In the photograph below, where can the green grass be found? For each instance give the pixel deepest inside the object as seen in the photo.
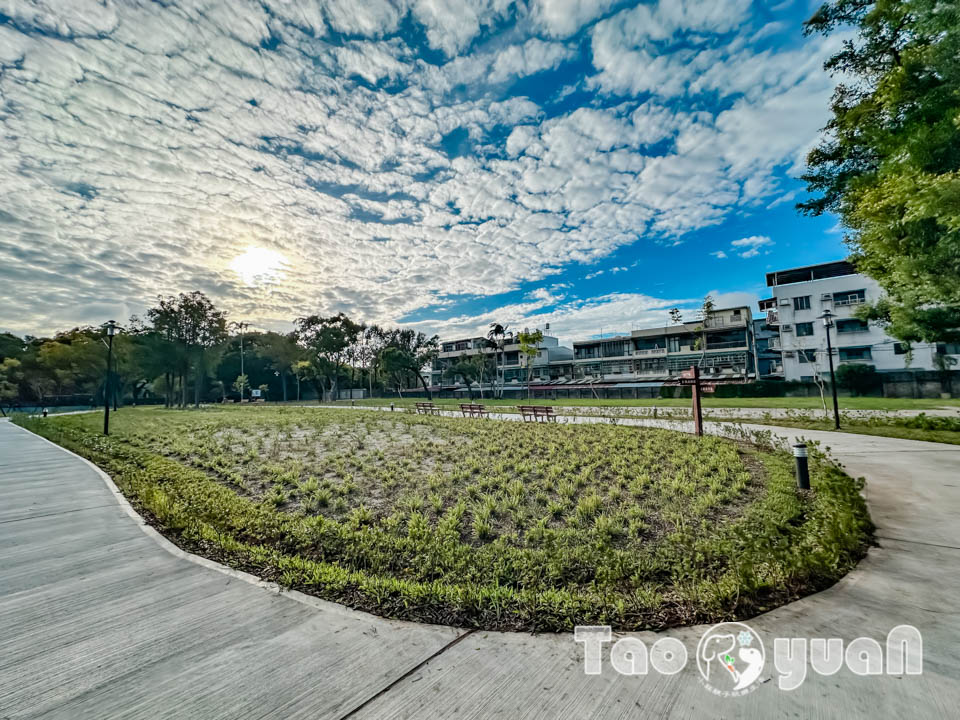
(920, 427)
(483, 523)
(799, 403)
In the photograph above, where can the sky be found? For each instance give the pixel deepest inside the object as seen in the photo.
(441, 164)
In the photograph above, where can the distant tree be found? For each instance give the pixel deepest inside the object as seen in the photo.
(327, 342)
(282, 352)
(194, 327)
(889, 160)
(496, 337)
(409, 351)
(10, 376)
(676, 318)
(858, 379)
(529, 344)
(703, 316)
(11, 346)
(240, 383)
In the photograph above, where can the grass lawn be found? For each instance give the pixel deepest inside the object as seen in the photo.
(483, 523)
(799, 403)
(920, 427)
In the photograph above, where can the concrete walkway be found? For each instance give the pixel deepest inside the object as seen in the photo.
(100, 618)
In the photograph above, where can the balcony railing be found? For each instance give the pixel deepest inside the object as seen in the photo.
(840, 302)
(651, 352)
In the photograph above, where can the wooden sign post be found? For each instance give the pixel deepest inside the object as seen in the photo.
(691, 377)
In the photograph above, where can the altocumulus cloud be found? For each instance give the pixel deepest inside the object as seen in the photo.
(397, 156)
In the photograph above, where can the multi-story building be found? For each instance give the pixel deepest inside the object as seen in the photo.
(800, 297)
(513, 364)
(721, 345)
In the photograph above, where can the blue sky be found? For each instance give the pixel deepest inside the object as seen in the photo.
(440, 163)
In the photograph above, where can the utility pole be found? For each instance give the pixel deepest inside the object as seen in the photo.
(111, 329)
(827, 318)
(241, 326)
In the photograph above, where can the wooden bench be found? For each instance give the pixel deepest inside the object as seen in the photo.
(427, 408)
(473, 410)
(538, 413)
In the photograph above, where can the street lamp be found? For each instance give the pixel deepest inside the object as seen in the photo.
(241, 326)
(111, 329)
(827, 318)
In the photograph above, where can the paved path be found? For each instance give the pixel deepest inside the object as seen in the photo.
(101, 619)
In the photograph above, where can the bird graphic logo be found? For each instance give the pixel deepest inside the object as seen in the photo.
(730, 657)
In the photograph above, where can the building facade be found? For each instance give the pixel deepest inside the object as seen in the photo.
(801, 295)
(509, 362)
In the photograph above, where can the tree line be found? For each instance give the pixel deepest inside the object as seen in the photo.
(184, 351)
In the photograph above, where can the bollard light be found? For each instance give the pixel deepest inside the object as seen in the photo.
(803, 468)
(391, 407)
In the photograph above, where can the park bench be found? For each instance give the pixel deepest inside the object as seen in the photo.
(427, 408)
(537, 413)
(473, 410)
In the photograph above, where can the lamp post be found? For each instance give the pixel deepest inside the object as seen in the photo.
(241, 326)
(111, 328)
(827, 318)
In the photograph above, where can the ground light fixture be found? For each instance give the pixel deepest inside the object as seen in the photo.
(827, 318)
(111, 329)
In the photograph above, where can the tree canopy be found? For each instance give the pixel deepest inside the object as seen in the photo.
(889, 160)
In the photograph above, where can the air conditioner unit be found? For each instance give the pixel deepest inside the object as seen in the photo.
(786, 328)
(785, 302)
(826, 296)
(789, 354)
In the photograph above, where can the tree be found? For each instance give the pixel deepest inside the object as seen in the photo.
(11, 346)
(676, 318)
(471, 368)
(889, 160)
(529, 345)
(193, 327)
(495, 338)
(408, 351)
(858, 379)
(282, 352)
(240, 383)
(703, 313)
(10, 376)
(327, 341)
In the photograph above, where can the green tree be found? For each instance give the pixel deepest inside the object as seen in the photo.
(529, 344)
(10, 376)
(408, 352)
(889, 160)
(282, 352)
(328, 342)
(858, 379)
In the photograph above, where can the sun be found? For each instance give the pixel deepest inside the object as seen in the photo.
(259, 265)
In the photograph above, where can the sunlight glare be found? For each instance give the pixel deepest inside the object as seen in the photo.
(259, 265)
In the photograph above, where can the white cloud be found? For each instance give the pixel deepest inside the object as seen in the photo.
(719, 254)
(750, 246)
(144, 146)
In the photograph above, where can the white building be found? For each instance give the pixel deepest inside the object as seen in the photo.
(800, 295)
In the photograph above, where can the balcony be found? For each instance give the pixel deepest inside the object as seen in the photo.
(651, 352)
(773, 317)
(774, 344)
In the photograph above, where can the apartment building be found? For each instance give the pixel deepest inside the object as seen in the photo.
(512, 363)
(721, 345)
(801, 295)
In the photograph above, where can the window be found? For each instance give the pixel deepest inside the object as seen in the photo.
(851, 325)
(806, 378)
(855, 353)
(899, 349)
(850, 297)
(948, 348)
(801, 303)
(804, 329)
(807, 356)
(673, 344)
(736, 316)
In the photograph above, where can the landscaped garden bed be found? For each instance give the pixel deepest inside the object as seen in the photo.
(483, 523)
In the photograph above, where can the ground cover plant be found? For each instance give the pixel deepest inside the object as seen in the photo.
(483, 523)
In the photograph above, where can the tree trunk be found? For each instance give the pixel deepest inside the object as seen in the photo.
(425, 387)
(283, 379)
